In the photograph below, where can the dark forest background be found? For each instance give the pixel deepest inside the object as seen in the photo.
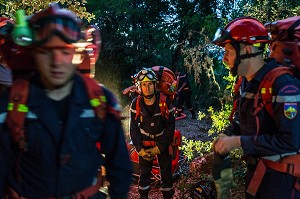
(172, 33)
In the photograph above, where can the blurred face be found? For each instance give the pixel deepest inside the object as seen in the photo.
(54, 63)
(147, 88)
(229, 56)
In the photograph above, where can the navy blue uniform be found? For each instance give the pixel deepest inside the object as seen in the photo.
(61, 157)
(161, 131)
(280, 135)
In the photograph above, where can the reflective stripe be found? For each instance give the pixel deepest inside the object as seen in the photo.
(249, 95)
(2, 117)
(162, 104)
(21, 107)
(277, 157)
(166, 189)
(95, 102)
(103, 98)
(151, 135)
(291, 98)
(87, 113)
(144, 188)
(10, 106)
(157, 114)
(263, 90)
(31, 115)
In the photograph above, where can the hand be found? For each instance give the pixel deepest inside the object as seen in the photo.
(224, 144)
(153, 151)
(145, 155)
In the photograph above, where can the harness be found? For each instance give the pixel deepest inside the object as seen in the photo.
(163, 107)
(235, 91)
(285, 163)
(16, 115)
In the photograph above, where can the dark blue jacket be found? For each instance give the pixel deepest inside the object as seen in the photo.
(61, 160)
(152, 124)
(279, 134)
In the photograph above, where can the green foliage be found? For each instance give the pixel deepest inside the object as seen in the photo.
(219, 119)
(267, 10)
(192, 148)
(201, 115)
(9, 7)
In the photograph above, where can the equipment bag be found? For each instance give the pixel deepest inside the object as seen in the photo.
(167, 82)
(285, 45)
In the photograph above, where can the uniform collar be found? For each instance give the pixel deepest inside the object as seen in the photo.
(271, 63)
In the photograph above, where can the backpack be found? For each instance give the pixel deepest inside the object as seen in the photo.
(167, 81)
(285, 44)
(166, 85)
(17, 108)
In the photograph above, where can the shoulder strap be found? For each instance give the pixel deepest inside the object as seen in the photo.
(96, 94)
(138, 106)
(265, 88)
(164, 110)
(235, 91)
(17, 110)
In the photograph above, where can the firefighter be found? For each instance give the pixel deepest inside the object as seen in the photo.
(57, 155)
(265, 139)
(5, 78)
(184, 94)
(152, 134)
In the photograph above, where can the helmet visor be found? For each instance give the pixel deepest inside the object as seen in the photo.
(221, 36)
(146, 73)
(65, 28)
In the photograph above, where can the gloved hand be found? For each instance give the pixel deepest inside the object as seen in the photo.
(222, 174)
(153, 151)
(145, 155)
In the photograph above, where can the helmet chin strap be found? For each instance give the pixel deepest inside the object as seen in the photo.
(148, 96)
(241, 57)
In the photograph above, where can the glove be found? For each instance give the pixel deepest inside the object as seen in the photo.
(222, 174)
(145, 155)
(153, 151)
(224, 184)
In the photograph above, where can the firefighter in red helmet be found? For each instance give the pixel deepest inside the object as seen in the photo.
(152, 134)
(53, 151)
(267, 138)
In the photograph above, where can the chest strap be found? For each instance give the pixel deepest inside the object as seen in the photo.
(151, 135)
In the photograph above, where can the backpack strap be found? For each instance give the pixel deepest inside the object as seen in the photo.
(96, 95)
(138, 106)
(163, 107)
(235, 91)
(265, 91)
(164, 110)
(17, 110)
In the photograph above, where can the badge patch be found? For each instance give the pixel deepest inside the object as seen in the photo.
(290, 110)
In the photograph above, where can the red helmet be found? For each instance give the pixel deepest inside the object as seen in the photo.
(55, 20)
(242, 30)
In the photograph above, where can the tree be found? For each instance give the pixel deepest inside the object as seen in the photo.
(9, 7)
